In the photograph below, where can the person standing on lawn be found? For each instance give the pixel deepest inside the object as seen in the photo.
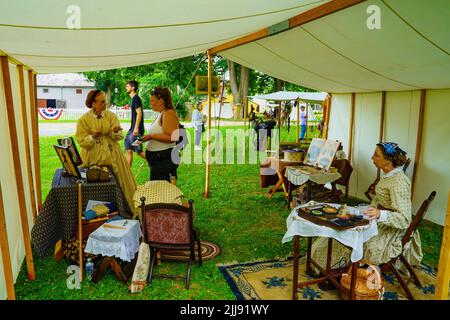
(137, 124)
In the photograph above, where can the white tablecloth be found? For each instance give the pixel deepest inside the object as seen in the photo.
(120, 243)
(298, 177)
(353, 238)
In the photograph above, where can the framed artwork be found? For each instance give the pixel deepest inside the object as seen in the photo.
(201, 85)
(327, 154)
(314, 151)
(70, 143)
(67, 161)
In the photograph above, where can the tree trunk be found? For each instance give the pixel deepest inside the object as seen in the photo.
(108, 94)
(278, 84)
(238, 89)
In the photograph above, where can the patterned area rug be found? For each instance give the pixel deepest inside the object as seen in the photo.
(209, 251)
(272, 280)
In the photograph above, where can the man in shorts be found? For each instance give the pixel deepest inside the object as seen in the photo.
(132, 140)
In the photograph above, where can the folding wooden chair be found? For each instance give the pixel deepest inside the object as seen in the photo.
(170, 227)
(390, 266)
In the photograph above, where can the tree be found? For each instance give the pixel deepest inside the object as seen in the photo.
(239, 87)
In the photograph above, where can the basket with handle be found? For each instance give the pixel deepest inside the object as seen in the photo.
(369, 284)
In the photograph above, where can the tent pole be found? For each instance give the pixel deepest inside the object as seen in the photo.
(35, 135)
(17, 168)
(27, 140)
(297, 139)
(350, 144)
(306, 131)
(383, 107)
(279, 126)
(245, 126)
(419, 140)
(6, 257)
(327, 121)
(208, 132)
(324, 114)
(443, 273)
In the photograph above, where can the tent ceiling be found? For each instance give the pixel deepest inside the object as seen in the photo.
(118, 34)
(338, 53)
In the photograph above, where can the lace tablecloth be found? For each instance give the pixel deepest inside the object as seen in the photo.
(353, 238)
(299, 175)
(121, 243)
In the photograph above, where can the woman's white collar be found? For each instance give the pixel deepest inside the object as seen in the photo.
(393, 172)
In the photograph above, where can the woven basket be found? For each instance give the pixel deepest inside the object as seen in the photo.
(362, 292)
(294, 156)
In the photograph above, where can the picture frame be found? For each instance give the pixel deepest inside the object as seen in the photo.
(70, 143)
(67, 161)
(314, 150)
(327, 154)
(201, 85)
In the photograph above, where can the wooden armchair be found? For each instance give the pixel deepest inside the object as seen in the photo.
(390, 266)
(170, 227)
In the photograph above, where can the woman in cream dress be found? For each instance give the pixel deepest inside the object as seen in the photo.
(98, 133)
(391, 206)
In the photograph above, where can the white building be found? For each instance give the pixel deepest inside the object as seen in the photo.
(63, 90)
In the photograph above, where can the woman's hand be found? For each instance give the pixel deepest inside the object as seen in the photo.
(372, 213)
(116, 129)
(96, 134)
(146, 138)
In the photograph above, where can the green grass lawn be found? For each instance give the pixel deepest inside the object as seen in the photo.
(238, 216)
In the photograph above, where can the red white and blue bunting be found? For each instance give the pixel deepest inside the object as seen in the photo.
(50, 113)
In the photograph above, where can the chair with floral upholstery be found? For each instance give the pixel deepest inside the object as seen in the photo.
(170, 227)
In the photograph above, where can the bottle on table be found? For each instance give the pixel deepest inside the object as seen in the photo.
(89, 269)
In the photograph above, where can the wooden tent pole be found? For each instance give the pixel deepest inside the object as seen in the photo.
(443, 273)
(6, 257)
(279, 126)
(419, 140)
(306, 131)
(35, 135)
(80, 228)
(245, 127)
(17, 169)
(298, 121)
(208, 132)
(350, 144)
(27, 140)
(383, 107)
(327, 122)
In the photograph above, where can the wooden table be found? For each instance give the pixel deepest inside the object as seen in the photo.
(117, 242)
(327, 177)
(327, 274)
(123, 270)
(279, 165)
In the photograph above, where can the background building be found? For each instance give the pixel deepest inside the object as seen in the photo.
(63, 90)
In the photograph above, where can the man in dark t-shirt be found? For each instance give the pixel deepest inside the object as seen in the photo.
(132, 143)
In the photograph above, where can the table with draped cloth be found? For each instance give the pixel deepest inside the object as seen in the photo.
(58, 217)
(305, 175)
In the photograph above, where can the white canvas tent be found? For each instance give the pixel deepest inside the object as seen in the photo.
(305, 97)
(393, 80)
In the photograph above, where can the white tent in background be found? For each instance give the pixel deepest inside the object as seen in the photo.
(310, 97)
(391, 82)
(306, 98)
